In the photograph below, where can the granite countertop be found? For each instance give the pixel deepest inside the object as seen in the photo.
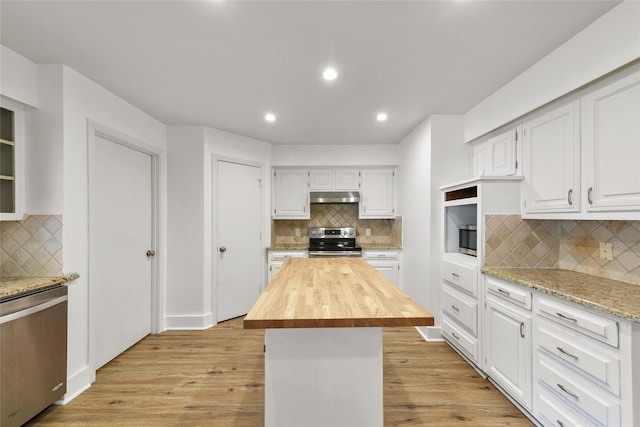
(621, 299)
(305, 246)
(12, 286)
(380, 246)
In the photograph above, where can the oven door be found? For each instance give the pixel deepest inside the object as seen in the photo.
(334, 254)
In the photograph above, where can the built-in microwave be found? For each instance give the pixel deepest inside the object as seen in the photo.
(468, 239)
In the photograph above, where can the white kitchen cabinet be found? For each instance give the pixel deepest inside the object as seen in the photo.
(338, 179)
(611, 144)
(507, 339)
(278, 257)
(387, 262)
(551, 144)
(499, 155)
(290, 194)
(11, 161)
(377, 193)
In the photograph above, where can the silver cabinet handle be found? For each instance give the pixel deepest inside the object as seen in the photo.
(589, 195)
(560, 423)
(561, 387)
(566, 353)
(455, 336)
(151, 253)
(502, 291)
(222, 249)
(455, 308)
(457, 276)
(522, 329)
(567, 317)
(570, 197)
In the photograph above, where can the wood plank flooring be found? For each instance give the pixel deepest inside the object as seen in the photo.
(216, 378)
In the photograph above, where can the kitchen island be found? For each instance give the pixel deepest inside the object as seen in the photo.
(323, 341)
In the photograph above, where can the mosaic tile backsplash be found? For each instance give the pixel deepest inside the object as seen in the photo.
(383, 231)
(511, 241)
(31, 247)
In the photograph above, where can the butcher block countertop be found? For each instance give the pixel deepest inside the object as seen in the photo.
(333, 292)
(13, 286)
(611, 296)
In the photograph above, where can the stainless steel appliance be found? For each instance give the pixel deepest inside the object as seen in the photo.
(334, 197)
(468, 239)
(33, 354)
(333, 242)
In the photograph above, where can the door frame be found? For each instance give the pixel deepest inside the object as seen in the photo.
(215, 158)
(158, 237)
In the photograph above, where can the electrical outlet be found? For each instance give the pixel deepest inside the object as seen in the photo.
(297, 231)
(367, 232)
(606, 251)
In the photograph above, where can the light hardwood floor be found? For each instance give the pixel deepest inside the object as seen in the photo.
(216, 378)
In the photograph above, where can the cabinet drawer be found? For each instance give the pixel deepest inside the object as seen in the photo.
(283, 255)
(551, 411)
(459, 338)
(515, 294)
(381, 255)
(461, 307)
(577, 392)
(591, 324)
(582, 353)
(463, 276)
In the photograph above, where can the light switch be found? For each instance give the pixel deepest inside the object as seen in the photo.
(297, 231)
(367, 232)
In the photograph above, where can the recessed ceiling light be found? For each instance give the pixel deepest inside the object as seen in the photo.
(329, 73)
(270, 117)
(381, 117)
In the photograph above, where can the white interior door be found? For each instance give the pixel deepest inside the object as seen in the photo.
(121, 219)
(239, 244)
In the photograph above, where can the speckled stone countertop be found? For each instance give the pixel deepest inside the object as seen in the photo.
(379, 246)
(12, 286)
(611, 296)
(305, 246)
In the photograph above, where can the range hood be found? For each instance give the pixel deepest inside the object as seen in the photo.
(334, 196)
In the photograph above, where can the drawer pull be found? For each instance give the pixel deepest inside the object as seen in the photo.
(560, 423)
(522, 329)
(455, 308)
(565, 317)
(456, 275)
(566, 353)
(453, 334)
(561, 387)
(502, 291)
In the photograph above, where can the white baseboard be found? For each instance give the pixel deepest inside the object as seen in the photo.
(189, 322)
(76, 384)
(430, 333)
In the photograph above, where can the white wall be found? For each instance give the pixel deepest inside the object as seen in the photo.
(18, 77)
(338, 155)
(432, 155)
(84, 100)
(192, 269)
(609, 43)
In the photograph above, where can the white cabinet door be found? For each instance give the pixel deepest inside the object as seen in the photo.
(497, 156)
(390, 271)
(321, 179)
(507, 347)
(290, 194)
(11, 161)
(611, 143)
(347, 179)
(552, 165)
(377, 198)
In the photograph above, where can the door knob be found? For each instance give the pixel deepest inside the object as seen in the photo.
(151, 253)
(222, 249)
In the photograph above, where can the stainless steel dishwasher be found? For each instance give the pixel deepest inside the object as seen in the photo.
(33, 354)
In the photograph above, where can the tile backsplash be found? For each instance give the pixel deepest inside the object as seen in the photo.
(511, 241)
(31, 247)
(383, 231)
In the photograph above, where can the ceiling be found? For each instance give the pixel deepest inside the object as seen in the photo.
(225, 64)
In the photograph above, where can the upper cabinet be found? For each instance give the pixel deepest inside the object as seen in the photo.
(552, 161)
(290, 194)
(581, 159)
(611, 144)
(377, 193)
(499, 155)
(11, 165)
(324, 179)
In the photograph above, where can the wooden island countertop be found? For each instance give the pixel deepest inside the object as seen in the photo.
(333, 293)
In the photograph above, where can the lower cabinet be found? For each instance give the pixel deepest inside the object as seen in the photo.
(278, 257)
(387, 262)
(507, 339)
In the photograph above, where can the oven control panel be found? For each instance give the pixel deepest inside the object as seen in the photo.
(332, 232)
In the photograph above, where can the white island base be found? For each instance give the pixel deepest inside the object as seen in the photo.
(319, 377)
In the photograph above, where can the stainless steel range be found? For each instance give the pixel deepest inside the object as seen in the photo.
(333, 242)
